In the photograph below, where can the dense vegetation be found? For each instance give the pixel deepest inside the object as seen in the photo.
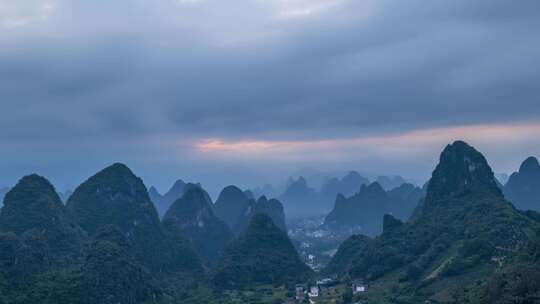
(33, 210)
(107, 245)
(465, 231)
(263, 254)
(192, 216)
(465, 243)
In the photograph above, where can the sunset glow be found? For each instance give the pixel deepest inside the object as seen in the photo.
(411, 142)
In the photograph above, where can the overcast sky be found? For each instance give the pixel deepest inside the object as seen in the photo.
(250, 91)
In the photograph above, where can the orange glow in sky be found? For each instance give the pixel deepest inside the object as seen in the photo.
(407, 143)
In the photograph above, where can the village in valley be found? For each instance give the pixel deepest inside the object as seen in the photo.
(315, 244)
(329, 290)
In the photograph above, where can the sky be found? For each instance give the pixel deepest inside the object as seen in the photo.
(248, 92)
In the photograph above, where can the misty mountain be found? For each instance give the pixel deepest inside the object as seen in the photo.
(465, 226)
(347, 185)
(236, 208)
(192, 215)
(523, 187)
(263, 254)
(64, 196)
(266, 190)
(249, 194)
(231, 205)
(3, 192)
(502, 178)
(273, 208)
(364, 210)
(405, 199)
(300, 200)
(163, 202)
(390, 182)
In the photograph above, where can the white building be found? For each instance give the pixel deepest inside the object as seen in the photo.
(313, 291)
(358, 287)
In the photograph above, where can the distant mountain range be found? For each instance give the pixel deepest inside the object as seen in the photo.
(523, 187)
(302, 200)
(390, 182)
(163, 202)
(365, 209)
(3, 192)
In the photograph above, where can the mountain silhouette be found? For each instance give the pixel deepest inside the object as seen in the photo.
(523, 187)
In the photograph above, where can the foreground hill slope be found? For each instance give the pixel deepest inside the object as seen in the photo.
(108, 274)
(464, 232)
(263, 254)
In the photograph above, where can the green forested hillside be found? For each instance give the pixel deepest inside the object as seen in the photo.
(465, 233)
(263, 254)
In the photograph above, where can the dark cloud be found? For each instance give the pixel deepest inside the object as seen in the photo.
(90, 75)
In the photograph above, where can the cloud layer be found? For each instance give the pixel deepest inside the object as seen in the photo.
(148, 81)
